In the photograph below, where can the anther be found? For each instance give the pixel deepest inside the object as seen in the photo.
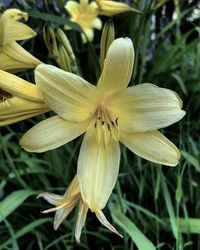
(102, 123)
(116, 121)
(113, 123)
(108, 127)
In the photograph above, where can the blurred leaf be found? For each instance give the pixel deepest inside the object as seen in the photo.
(12, 201)
(130, 228)
(54, 19)
(191, 159)
(180, 82)
(189, 225)
(27, 229)
(173, 23)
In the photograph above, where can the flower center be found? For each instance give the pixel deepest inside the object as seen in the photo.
(106, 127)
(84, 17)
(4, 95)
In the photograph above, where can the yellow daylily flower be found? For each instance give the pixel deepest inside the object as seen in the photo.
(19, 99)
(108, 113)
(66, 203)
(13, 57)
(85, 14)
(110, 7)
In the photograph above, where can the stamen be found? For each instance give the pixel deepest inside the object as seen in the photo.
(106, 128)
(106, 133)
(116, 121)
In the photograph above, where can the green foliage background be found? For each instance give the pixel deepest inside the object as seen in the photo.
(161, 203)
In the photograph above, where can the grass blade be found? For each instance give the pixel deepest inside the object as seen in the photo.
(12, 201)
(169, 206)
(140, 240)
(27, 229)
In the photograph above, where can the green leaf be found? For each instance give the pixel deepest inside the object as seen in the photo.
(169, 205)
(180, 81)
(189, 225)
(191, 159)
(12, 201)
(54, 19)
(140, 240)
(186, 225)
(25, 230)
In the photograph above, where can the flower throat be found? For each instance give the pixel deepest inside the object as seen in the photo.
(4, 95)
(106, 128)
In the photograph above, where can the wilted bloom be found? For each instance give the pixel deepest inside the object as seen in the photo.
(65, 204)
(110, 8)
(13, 57)
(19, 99)
(85, 14)
(108, 113)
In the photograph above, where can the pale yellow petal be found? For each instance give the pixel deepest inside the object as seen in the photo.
(51, 133)
(53, 199)
(101, 217)
(110, 8)
(93, 8)
(98, 167)
(15, 31)
(16, 59)
(4, 121)
(118, 65)
(62, 213)
(12, 28)
(97, 24)
(72, 7)
(66, 203)
(89, 33)
(73, 188)
(17, 109)
(84, 2)
(152, 146)
(68, 95)
(19, 87)
(82, 214)
(145, 107)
